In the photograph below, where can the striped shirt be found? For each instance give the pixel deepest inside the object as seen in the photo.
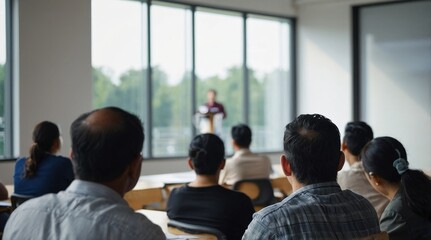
(316, 211)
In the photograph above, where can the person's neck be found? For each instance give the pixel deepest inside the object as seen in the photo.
(205, 180)
(391, 190)
(296, 185)
(351, 159)
(237, 148)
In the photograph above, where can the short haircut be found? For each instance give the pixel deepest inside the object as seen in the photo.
(241, 134)
(212, 90)
(207, 153)
(312, 147)
(103, 150)
(356, 135)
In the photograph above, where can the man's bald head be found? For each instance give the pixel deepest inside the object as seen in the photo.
(104, 142)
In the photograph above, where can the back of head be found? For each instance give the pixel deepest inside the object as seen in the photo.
(241, 134)
(207, 153)
(378, 156)
(386, 157)
(312, 147)
(44, 136)
(356, 135)
(104, 142)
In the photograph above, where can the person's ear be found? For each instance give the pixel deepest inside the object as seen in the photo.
(133, 173)
(190, 162)
(222, 164)
(341, 161)
(285, 165)
(343, 146)
(375, 180)
(71, 154)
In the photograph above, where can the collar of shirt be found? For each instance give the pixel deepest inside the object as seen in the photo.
(93, 189)
(357, 167)
(240, 152)
(317, 189)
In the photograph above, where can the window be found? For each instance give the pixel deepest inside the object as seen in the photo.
(268, 55)
(5, 97)
(158, 60)
(119, 55)
(219, 50)
(171, 80)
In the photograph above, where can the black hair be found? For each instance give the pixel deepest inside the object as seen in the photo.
(378, 158)
(207, 153)
(312, 147)
(241, 134)
(103, 150)
(356, 135)
(44, 135)
(213, 91)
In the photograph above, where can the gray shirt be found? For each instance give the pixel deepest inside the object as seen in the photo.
(86, 210)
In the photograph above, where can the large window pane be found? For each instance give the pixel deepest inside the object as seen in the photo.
(269, 81)
(219, 54)
(119, 54)
(2, 75)
(171, 79)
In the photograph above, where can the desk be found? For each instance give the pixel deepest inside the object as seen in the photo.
(160, 218)
(186, 177)
(170, 178)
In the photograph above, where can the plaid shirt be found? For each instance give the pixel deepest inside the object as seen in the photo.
(316, 211)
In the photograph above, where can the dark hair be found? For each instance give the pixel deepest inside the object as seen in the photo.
(312, 147)
(241, 134)
(44, 136)
(378, 158)
(103, 149)
(356, 135)
(207, 153)
(213, 91)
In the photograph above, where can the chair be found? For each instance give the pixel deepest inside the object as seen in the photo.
(18, 199)
(258, 190)
(377, 236)
(202, 232)
(151, 198)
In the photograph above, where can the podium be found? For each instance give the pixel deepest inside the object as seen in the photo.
(208, 122)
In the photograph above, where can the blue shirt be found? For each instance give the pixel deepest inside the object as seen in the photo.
(316, 211)
(54, 174)
(86, 210)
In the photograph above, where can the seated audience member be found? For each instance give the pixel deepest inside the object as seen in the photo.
(43, 172)
(408, 214)
(317, 208)
(3, 215)
(356, 135)
(244, 164)
(3, 192)
(106, 155)
(204, 202)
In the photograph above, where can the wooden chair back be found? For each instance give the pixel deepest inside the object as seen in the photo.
(258, 190)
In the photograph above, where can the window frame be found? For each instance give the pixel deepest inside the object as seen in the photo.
(148, 121)
(8, 130)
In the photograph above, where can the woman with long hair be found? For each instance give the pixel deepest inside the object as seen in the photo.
(408, 214)
(43, 171)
